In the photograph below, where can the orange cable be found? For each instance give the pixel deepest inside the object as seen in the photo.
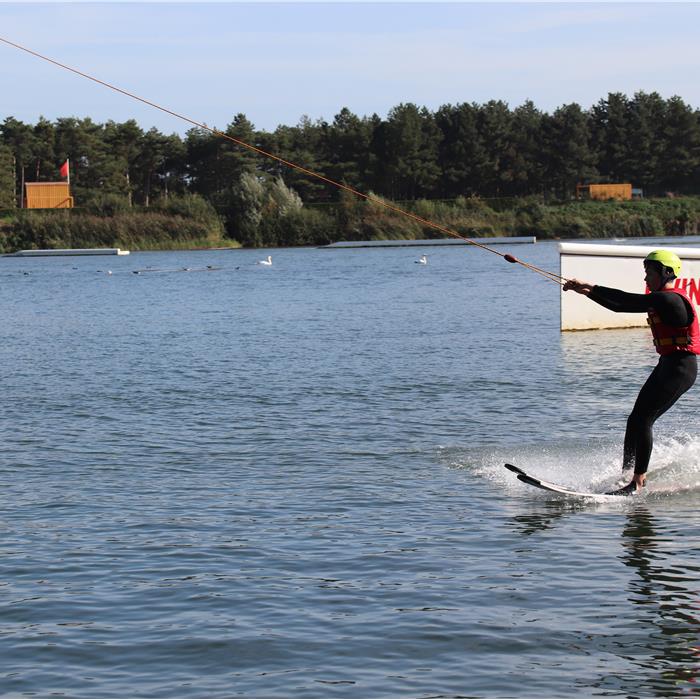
(509, 258)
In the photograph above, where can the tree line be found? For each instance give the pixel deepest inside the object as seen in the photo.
(467, 149)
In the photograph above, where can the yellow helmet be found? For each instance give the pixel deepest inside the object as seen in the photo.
(667, 259)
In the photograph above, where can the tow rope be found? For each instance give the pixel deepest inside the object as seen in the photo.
(426, 222)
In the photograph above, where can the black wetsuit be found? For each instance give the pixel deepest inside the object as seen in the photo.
(670, 379)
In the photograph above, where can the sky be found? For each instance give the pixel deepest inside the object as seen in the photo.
(276, 62)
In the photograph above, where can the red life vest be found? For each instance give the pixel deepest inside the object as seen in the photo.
(669, 339)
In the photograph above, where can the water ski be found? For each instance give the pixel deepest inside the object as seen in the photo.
(548, 486)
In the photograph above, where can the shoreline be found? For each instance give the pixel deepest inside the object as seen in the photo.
(355, 224)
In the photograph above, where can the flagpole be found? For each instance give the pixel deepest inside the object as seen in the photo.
(68, 161)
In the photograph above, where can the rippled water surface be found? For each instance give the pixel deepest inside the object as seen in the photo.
(287, 481)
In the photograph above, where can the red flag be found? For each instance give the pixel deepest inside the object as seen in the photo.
(64, 170)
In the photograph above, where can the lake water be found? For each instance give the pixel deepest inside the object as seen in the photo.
(287, 481)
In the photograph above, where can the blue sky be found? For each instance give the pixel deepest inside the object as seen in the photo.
(278, 61)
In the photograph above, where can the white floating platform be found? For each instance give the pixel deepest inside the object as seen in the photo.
(620, 267)
(430, 242)
(67, 251)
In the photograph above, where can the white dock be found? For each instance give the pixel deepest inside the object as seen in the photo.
(620, 267)
(66, 251)
(501, 240)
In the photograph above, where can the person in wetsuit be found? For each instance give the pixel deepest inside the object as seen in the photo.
(676, 334)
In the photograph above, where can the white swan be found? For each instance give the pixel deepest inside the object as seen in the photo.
(423, 260)
(266, 262)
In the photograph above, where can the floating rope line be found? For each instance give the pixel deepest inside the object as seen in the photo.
(426, 222)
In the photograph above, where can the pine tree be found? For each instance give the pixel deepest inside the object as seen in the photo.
(235, 159)
(494, 123)
(412, 142)
(569, 158)
(7, 178)
(349, 150)
(45, 165)
(609, 134)
(680, 156)
(645, 126)
(124, 142)
(82, 140)
(461, 154)
(19, 138)
(305, 144)
(159, 166)
(203, 153)
(522, 160)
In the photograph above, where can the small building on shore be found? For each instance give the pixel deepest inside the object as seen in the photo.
(604, 191)
(47, 195)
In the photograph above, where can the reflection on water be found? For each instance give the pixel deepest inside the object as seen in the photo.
(613, 349)
(651, 645)
(538, 521)
(665, 593)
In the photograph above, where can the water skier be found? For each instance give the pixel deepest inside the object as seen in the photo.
(676, 335)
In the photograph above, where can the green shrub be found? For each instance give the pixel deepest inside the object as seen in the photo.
(189, 206)
(108, 205)
(305, 227)
(133, 230)
(472, 204)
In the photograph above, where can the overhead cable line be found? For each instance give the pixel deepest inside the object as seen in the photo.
(426, 222)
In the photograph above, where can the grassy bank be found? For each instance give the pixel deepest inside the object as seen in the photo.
(187, 223)
(192, 223)
(585, 219)
(131, 231)
(653, 217)
(477, 218)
